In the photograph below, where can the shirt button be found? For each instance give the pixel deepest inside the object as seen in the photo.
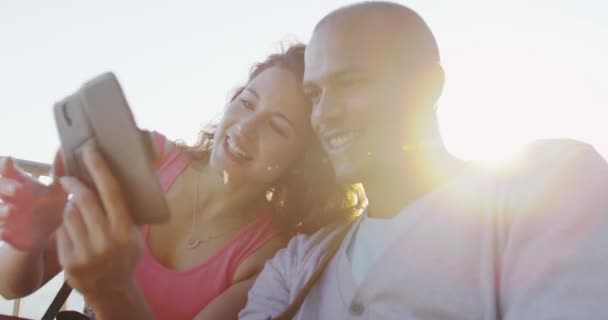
(356, 308)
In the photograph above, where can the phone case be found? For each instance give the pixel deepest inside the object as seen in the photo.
(99, 112)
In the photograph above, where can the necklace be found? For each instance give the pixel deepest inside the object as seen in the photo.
(193, 240)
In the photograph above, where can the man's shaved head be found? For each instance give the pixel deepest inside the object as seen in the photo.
(400, 23)
(373, 76)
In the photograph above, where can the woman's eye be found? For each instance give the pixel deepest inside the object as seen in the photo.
(246, 104)
(277, 128)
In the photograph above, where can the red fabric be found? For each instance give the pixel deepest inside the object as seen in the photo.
(169, 164)
(183, 294)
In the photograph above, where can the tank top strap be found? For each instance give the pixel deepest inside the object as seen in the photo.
(159, 144)
(169, 163)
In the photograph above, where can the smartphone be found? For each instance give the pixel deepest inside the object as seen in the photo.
(99, 112)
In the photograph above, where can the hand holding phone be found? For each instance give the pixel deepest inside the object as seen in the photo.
(99, 113)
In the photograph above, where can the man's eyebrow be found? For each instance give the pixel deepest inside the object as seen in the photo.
(253, 92)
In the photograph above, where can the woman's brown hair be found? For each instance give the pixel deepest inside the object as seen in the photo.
(308, 196)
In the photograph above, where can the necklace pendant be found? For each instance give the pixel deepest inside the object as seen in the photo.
(193, 243)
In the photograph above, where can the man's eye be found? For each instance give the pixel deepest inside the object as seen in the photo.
(246, 104)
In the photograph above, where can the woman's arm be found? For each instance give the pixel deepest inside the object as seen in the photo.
(30, 212)
(232, 301)
(23, 272)
(228, 304)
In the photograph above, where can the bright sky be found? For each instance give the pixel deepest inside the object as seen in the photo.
(516, 70)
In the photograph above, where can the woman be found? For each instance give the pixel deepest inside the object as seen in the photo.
(235, 197)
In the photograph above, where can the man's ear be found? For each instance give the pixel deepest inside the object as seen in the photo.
(434, 80)
(425, 86)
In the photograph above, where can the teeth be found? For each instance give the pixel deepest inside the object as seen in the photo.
(234, 148)
(226, 177)
(341, 140)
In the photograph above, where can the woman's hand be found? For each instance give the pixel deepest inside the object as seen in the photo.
(98, 243)
(29, 211)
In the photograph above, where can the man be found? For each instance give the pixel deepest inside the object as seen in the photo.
(439, 239)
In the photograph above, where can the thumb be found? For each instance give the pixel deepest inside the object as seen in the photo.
(58, 169)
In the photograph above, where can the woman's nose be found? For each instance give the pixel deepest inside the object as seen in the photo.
(247, 129)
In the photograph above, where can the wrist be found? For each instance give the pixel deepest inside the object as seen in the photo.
(109, 294)
(38, 244)
(124, 302)
(34, 250)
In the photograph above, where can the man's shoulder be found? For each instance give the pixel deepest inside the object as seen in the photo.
(544, 169)
(306, 247)
(552, 159)
(557, 149)
(557, 227)
(540, 159)
(553, 174)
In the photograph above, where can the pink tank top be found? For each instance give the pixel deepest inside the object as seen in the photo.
(183, 294)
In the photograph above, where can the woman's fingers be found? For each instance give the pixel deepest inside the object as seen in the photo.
(8, 187)
(90, 214)
(58, 169)
(5, 211)
(109, 191)
(74, 225)
(101, 218)
(9, 170)
(12, 179)
(6, 165)
(65, 247)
